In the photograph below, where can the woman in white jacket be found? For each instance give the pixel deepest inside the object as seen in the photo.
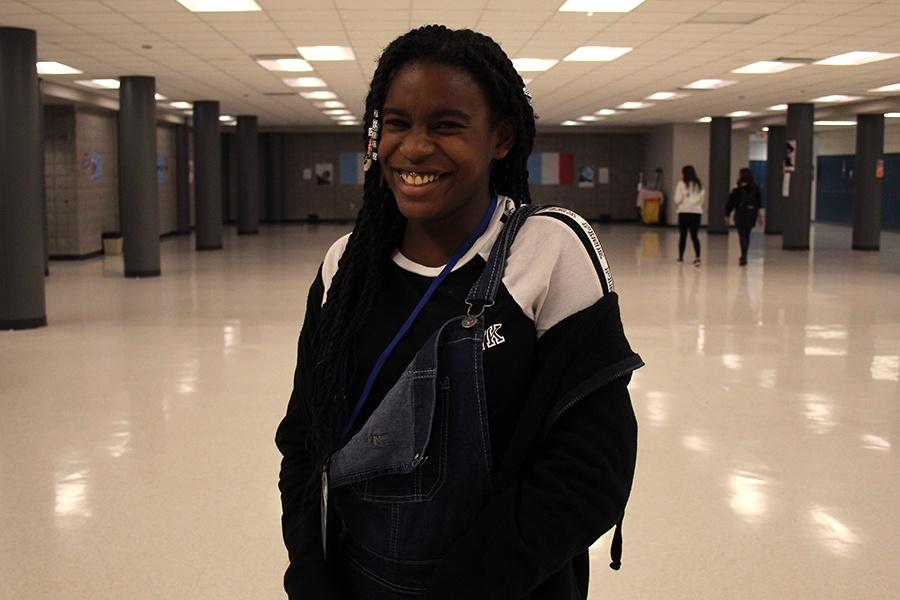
(689, 202)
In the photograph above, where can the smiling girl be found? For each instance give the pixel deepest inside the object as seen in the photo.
(460, 424)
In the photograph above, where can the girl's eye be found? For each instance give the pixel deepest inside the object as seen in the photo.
(448, 125)
(395, 123)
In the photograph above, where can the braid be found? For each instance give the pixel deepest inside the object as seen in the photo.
(379, 224)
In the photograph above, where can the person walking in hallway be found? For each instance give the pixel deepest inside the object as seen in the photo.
(746, 201)
(689, 202)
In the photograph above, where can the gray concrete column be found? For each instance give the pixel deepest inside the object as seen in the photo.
(138, 197)
(867, 201)
(719, 186)
(208, 175)
(248, 174)
(22, 246)
(275, 178)
(796, 212)
(774, 179)
(182, 180)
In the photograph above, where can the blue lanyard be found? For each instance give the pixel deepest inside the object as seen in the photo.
(370, 382)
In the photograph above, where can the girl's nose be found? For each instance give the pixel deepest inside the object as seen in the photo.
(417, 144)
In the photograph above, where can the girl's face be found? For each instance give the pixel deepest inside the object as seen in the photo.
(438, 141)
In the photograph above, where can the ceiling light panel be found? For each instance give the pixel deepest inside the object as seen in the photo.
(704, 120)
(778, 107)
(665, 96)
(836, 98)
(892, 115)
(634, 105)
(739, 113)
(767, 67)
(287, 65)
(571, 123)
(709, 84)
(590, 118)
(49, 67)
(858, 57)
(894, 87)
(834, 123)
(220, 5)
(182, 105)
(597, 54)
(304, 82)
(596, 6)
(326, 53)
(526, 65)
(330, 104)
(605, 112)
(159, 97)
(99, 84)
(319, 95)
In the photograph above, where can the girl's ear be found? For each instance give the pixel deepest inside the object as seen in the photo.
(504, 138)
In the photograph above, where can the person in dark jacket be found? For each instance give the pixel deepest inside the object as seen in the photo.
(746, 202)
(460, 424)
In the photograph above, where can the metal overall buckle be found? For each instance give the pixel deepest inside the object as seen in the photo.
(470, 320)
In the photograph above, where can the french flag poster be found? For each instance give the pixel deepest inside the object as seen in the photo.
(351, 168)
(551, 168)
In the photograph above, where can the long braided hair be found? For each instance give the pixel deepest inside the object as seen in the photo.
(379, 225)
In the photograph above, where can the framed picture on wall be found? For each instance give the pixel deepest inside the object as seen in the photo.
(324, 173)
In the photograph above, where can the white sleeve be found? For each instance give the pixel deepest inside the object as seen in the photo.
(330, 264)
(679, 193)
(556, 267)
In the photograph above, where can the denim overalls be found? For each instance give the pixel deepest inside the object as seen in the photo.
(416, 475)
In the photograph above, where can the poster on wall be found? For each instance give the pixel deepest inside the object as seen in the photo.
(585, 176)
(790, 156)
(162, 165)
(551, 168)
(324, 173)
(786, 185)
(92, 165)
(307, 174)
(603, 175)
(351, 168)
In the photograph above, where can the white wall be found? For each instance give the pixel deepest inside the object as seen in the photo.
(842, 140)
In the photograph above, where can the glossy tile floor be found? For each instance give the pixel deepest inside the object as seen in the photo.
(136, 453)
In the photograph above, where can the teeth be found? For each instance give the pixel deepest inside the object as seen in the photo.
(416, 179)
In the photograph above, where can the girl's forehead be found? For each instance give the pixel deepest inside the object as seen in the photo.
(418, 83)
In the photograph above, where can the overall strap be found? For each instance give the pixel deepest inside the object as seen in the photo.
(484, 291)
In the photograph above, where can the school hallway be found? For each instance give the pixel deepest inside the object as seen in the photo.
(136, 430)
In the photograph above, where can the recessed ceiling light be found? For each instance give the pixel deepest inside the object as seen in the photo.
(894, 87)
(304, 82)
(288, 65)
(571, 123)
(778, 107)
(220, 5)
(330, 104)
(768, 66)
(634, 105)
(344, 118)
(319, 95)
(766, 129)
(524, 65)
(160, 97)
(226, 118)
(49, 67)
(836, 98)
(834, 123)
(348, 122)
(336, 111)
(590, 118)
(314, 53)
(892, 115)
(181, 104)
(739, 113)
(605, 112)
(859, 57)
(596, 54)
(665, 96)
(99, 84)
(709, 84)
(592, 6)
(704, 120)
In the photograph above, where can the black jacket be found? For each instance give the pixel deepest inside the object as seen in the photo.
(745, 201)
(563, 482)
